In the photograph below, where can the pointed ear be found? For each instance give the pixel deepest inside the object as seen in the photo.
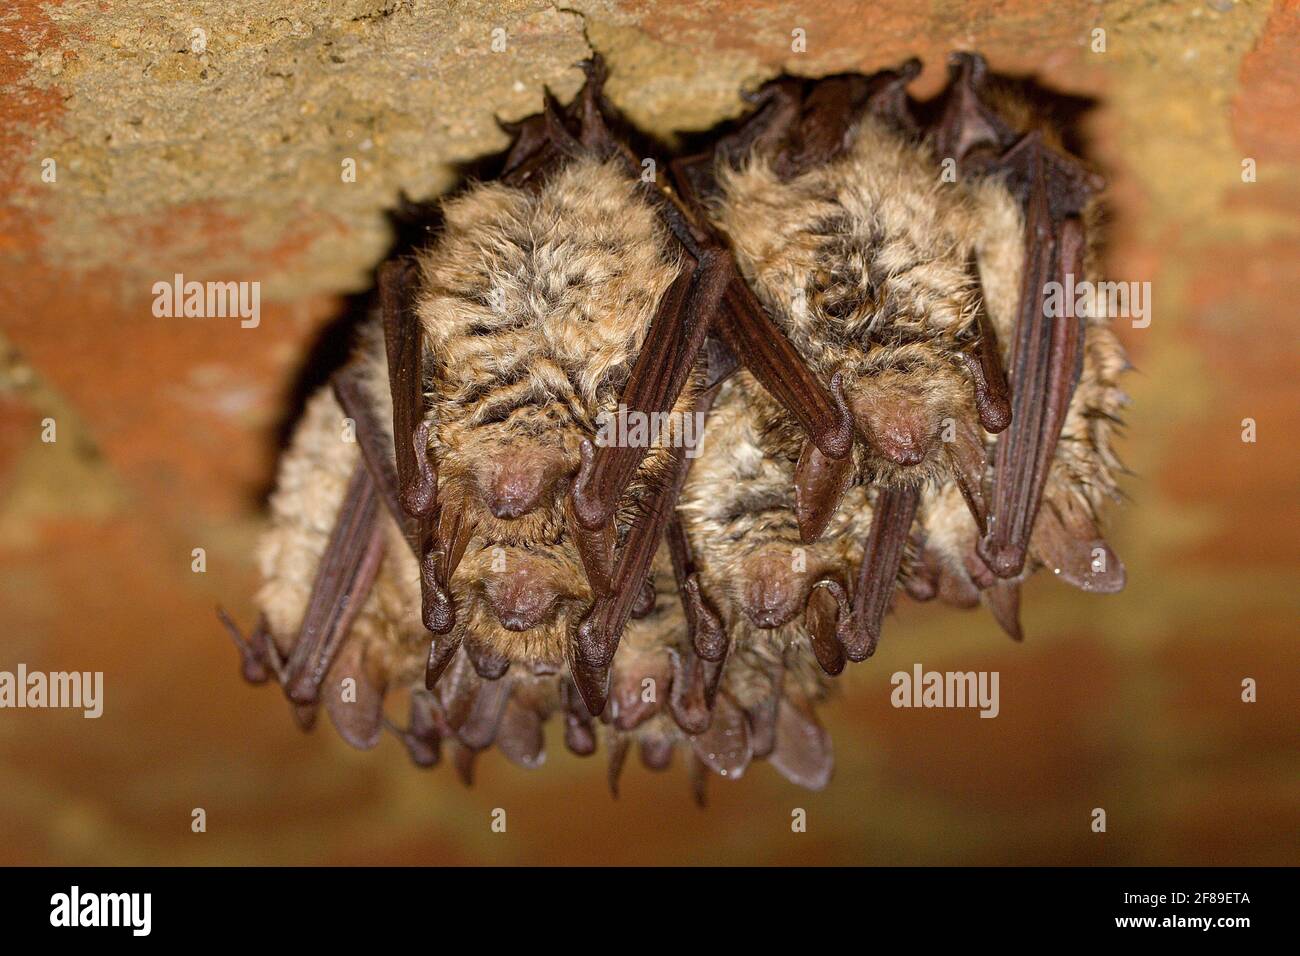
(520, 737)
(1069, 544)
(360, 721)
(725, 747)
(802, 752)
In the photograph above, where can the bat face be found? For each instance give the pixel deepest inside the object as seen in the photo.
(534, 304)
(738, 508)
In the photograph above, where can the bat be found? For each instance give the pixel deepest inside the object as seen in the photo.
(963, 401)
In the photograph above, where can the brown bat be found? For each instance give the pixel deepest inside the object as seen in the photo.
(908, 293)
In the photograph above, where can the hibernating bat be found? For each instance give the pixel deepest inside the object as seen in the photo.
(911, 295)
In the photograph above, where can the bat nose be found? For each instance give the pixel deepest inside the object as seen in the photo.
(897, 427)
(521, 596)
(514, 494)
(520, 480)
(772, 591)
(900, 445)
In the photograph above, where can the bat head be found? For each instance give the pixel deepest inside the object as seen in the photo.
(865, 262)
(738, 509)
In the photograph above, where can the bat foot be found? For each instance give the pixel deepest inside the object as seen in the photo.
(258, 656)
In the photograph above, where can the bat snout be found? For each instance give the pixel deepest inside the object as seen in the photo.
(522, 597)
(897, 423)
(897, 426)
(773, 592)
(519, 481)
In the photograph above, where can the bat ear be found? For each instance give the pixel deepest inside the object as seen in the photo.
(826, 610)
(594, 133)
(725, 747)
(520, 735)
(422, 736)
(819, 485)
(354, 703)
(802, 750)
(694, 682)
(632, 701)
(1068, 543)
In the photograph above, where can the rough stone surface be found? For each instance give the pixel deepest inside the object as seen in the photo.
(220, 154)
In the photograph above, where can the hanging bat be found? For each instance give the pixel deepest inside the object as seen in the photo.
(447, 523)
(832, 198)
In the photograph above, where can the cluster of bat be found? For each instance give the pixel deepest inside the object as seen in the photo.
(841, 286)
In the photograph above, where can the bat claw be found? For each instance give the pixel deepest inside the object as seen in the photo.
(592, 679)
(819, 486)
(420, 497)
(258, 656)
(441, 653)
(708, 634)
